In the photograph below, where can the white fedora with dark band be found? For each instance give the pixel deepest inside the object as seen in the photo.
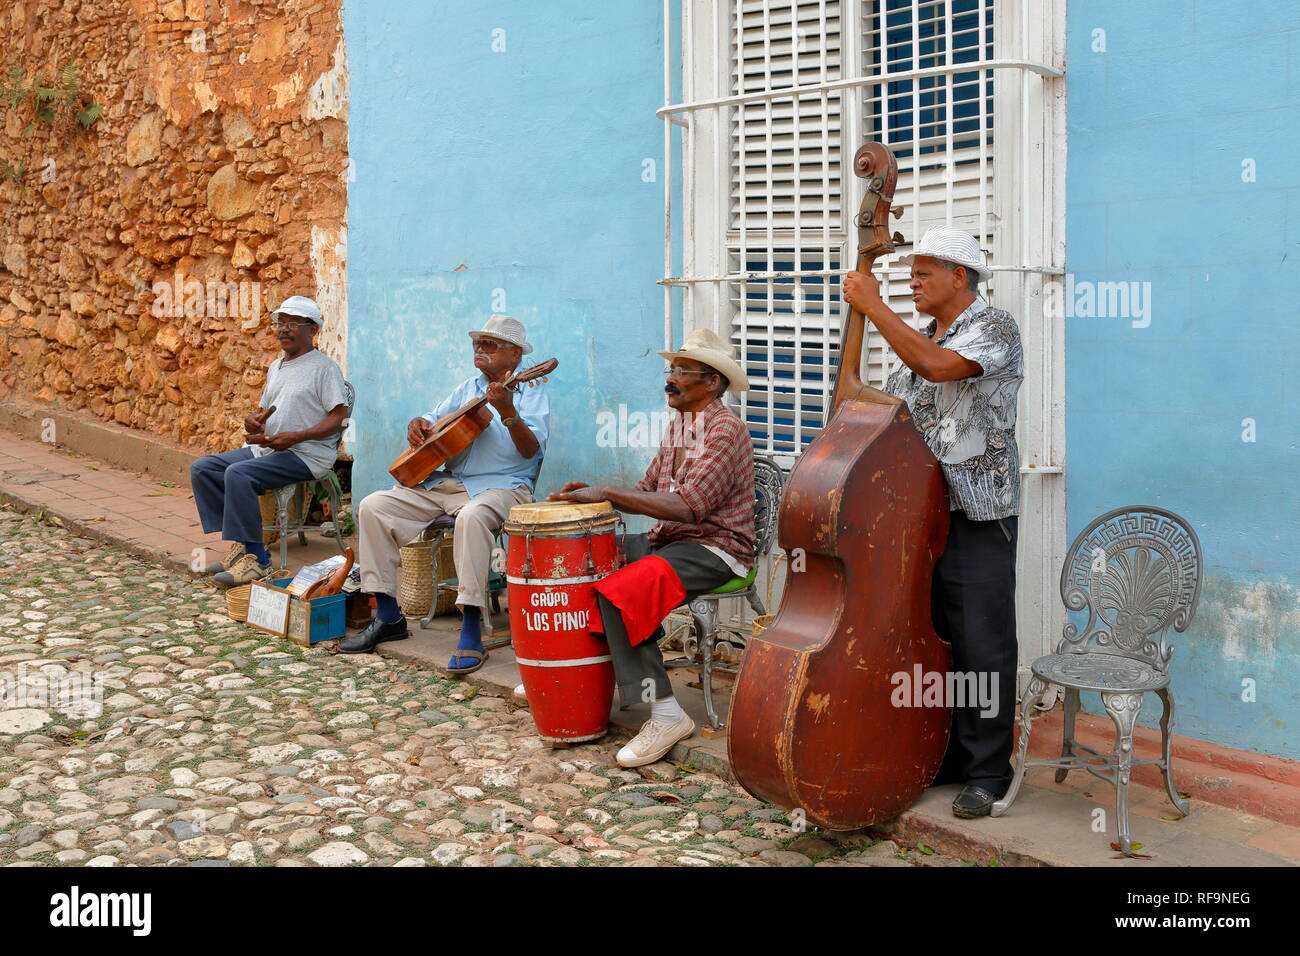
(706, 346)
(950, 245)
(506, 328)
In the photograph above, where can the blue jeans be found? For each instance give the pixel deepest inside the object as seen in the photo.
(226, 487)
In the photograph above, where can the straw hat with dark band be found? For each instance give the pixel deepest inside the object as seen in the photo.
(706, 346)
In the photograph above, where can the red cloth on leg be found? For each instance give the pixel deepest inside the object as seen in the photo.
(644, 592)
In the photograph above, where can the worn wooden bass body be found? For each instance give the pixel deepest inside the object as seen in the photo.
(822, 718)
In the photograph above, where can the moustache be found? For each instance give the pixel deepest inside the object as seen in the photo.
(672, 390)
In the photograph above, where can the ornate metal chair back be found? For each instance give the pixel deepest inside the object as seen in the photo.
(768, 484)
(1135, 572)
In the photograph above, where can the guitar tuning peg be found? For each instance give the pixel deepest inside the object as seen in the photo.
(546, 378)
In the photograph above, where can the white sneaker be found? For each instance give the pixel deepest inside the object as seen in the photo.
(233, 554)
(245, 570)
(655, 739)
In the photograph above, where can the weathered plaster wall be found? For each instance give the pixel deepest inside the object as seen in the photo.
(498, 164)
(221, 157)
(1182, 174)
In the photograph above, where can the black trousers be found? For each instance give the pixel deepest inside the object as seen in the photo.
(640, 670)
(973, 603)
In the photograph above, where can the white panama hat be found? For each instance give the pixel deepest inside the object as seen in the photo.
(950, 245)
(506, 328)
(705, 345)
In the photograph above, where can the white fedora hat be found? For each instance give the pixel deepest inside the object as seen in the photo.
(951, 245)
(706, 346)
(506, 328)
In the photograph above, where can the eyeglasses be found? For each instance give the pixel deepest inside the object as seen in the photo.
(483, 344)
(673, 370)
(278, 323)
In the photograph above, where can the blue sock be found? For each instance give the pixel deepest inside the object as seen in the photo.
(470, 627)
(386, 609)
(257, 550)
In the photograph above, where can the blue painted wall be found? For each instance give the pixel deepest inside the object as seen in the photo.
(521, 169)
(1160, 124)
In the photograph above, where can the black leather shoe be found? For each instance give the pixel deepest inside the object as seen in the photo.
(374, 634)
(972, 802)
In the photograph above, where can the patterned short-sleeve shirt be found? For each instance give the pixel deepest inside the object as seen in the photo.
(970, 424)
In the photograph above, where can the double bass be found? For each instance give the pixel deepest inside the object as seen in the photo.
(817, 721)
(456, 431)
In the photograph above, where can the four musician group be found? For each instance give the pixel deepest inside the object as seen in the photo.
(959, 377)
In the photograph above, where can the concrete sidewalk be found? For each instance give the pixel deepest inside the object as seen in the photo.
(1051, 824)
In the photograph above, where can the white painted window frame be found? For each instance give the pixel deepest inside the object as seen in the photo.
(1028, 249)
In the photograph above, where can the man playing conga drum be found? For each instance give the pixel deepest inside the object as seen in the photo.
(478, 486)
(700, 486)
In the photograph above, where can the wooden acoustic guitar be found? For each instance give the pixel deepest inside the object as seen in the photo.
(456, 431)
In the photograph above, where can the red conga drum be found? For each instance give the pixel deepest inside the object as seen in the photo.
(557, 552)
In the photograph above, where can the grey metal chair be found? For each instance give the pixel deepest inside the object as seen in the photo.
(768, 483)
(285, 495)
(1136, 571)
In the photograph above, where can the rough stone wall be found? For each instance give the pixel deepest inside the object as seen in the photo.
(218, 171)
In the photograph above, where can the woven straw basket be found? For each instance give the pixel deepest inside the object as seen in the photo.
(417, 578)
(237, 602)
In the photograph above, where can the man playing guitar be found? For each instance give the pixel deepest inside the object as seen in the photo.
(478, 486)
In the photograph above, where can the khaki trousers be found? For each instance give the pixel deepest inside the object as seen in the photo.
(388, 520)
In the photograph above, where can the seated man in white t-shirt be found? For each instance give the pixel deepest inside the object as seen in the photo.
(294, 437)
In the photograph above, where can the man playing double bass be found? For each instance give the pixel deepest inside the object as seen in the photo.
(478, 486)
(960, 377)
(700, 486)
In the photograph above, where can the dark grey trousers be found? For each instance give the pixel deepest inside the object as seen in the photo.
(639, 670)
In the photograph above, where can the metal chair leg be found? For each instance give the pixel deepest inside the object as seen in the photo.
(300, 494)
(1167, 750)
(1123, 710)
(1071, 705)
(704, 614)
(282, 528)
(1028, 711)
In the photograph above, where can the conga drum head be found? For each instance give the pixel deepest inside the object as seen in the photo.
(558, 517)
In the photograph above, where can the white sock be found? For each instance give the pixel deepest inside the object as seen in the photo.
(666, 711)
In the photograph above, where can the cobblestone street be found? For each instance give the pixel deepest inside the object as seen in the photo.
(220, 745)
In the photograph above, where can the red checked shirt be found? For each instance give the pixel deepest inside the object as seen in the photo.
(715, 477)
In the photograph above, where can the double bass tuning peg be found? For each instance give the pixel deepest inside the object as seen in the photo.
(897, 211)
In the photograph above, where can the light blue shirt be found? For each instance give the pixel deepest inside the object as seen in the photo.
(493, 461)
